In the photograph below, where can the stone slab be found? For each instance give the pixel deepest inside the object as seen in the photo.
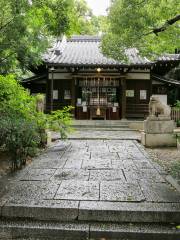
(106, 175)
(42, 210)
(55, 163)
(160, 126)
(78, 190)
(97, 164)
(70, 174)
(129, 212)
(31, 190)
(120, 192)
(77, 155)
(159, 192)
(73, 163)
(38, 175)
(119, 164)
(143, 175)
(133, 231)
(103, 155)
(50, 155)
(43, 230)
(143, 164)
(173, 182)
(158, 140)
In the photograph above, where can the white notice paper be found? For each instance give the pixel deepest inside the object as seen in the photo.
(55, 94)
(84, 108)
(114, 109)
(79, 101)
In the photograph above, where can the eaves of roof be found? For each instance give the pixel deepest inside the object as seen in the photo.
(166, 80)
(34, 78)
(148, 65)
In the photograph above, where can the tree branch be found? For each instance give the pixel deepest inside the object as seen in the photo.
(165, 26)
(3, 59)
(5, 25)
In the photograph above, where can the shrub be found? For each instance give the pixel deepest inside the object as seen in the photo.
(175, 170)
(177, 104)
(18, 124)
(23, 123)
(21, 139)
(61, 120)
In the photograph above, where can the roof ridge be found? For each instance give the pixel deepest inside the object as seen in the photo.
(84, 38)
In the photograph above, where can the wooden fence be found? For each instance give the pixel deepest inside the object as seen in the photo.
(175, 114)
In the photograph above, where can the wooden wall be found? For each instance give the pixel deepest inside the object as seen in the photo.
(136, 106)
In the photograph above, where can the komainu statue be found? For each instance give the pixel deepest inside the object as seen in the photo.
(40, 101)
(156, 107)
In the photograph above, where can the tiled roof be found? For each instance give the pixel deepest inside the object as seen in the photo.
(134, 57)
(85, 50)
(165, 79)
(169, 57)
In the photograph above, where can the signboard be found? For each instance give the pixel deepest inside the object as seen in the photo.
(67, 94)
(55, 94)
(129, 93)
(143, 94)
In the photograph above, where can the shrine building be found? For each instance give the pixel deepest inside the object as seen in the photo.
(75, 72)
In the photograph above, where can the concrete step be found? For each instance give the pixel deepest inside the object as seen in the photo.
(64, 210)
(35, 230)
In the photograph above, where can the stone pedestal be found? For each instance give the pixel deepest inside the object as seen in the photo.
(49, 138)
(158, 132)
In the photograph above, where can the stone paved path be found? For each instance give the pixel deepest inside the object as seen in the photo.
(91, 189)
(92, 170)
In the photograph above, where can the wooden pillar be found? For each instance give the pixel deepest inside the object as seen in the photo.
(73, 94)
(47, 90)
(52, 87)
(123, 100)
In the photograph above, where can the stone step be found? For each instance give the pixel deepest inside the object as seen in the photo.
(66, 210)
(103, 129)
(101, 126)
(35, 230)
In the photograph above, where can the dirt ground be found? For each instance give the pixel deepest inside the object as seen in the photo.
(168, 158)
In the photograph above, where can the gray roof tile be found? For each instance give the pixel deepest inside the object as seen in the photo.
(169, 57)
(85, 50)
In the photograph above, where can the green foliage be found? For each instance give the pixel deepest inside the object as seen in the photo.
(177, 104)
(18, 123)
(84, 22)
(61, 121)
(175, 170)
(177, 107)
(22, 127)
(20, 137)
(130, 24)
(27, 30)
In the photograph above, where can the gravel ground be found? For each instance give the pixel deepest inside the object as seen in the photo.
(168, 158)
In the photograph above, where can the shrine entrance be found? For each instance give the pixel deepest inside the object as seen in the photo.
(98, 98)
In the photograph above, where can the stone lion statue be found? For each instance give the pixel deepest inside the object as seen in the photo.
(40, 100)
(156, 107)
